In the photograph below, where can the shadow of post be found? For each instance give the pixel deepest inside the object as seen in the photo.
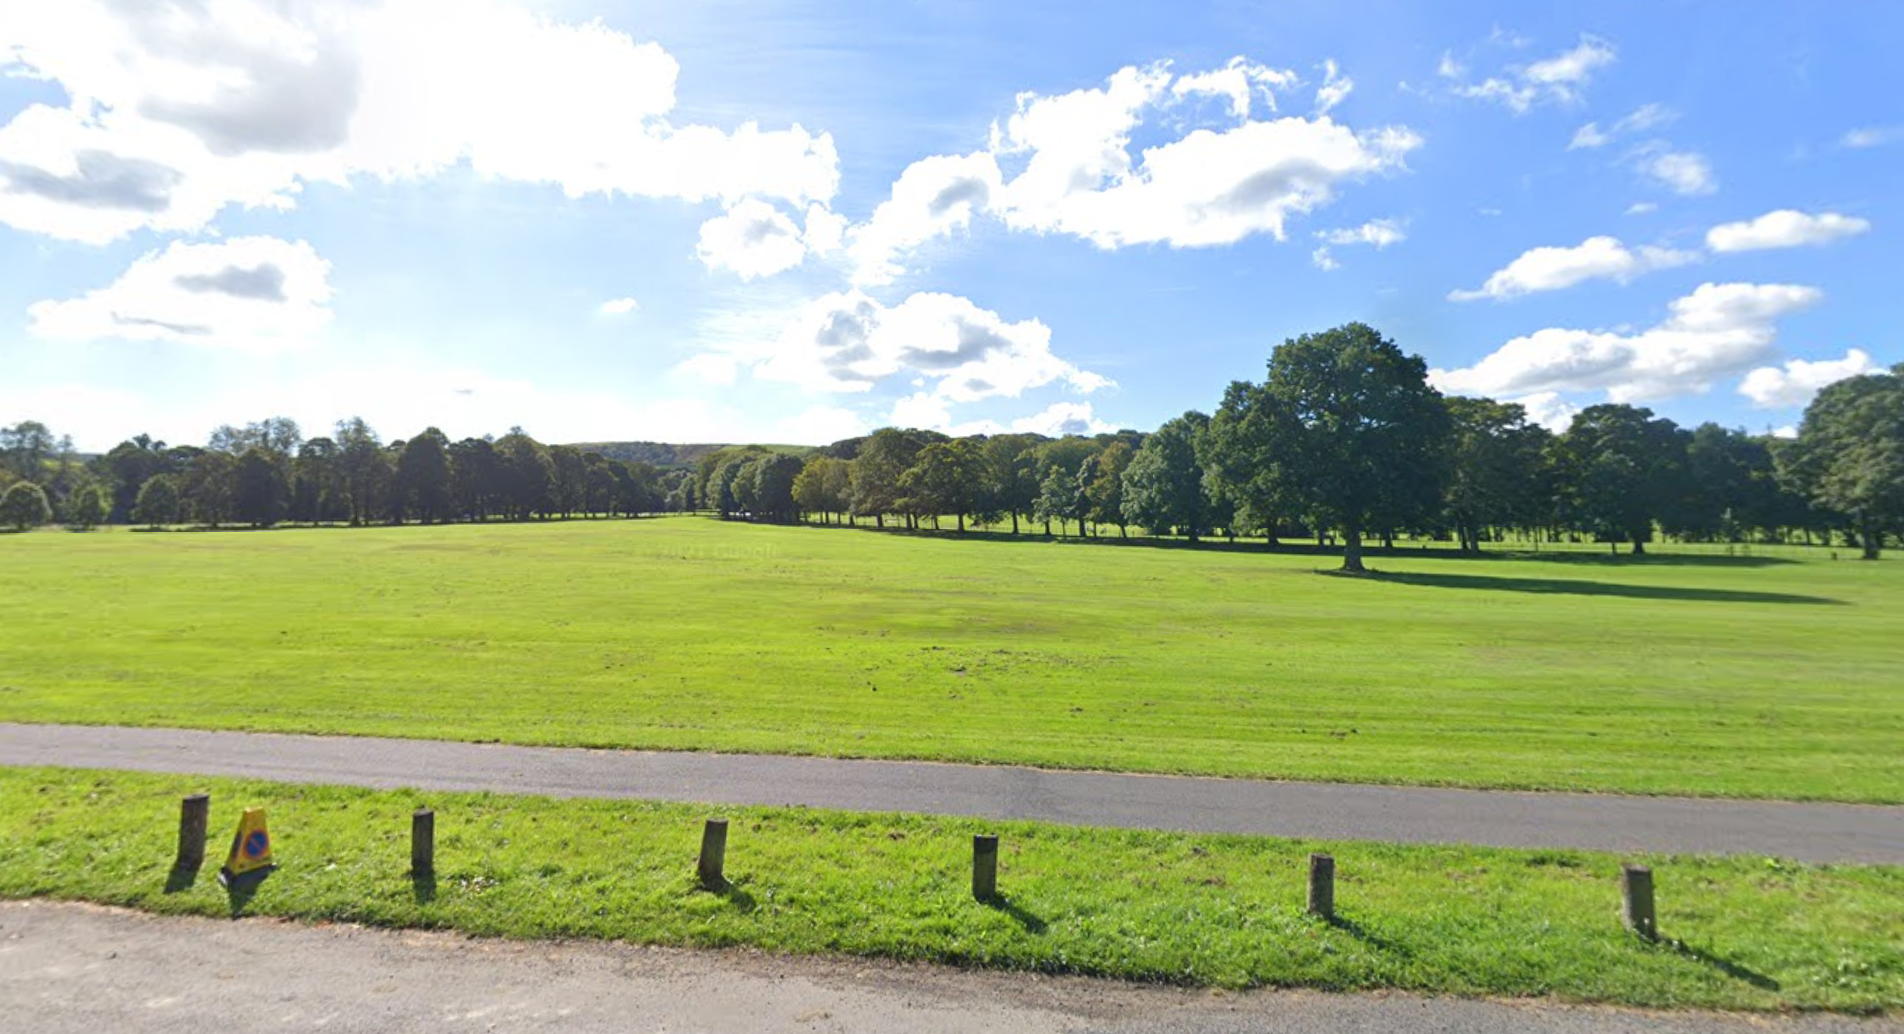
(423, 886)
(1031, 923)
(1726, 966)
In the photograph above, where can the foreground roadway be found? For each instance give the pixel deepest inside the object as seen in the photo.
(1605, 822)
(79, 969)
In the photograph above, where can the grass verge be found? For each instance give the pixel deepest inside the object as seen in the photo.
(1222, 911)
(1676, 674)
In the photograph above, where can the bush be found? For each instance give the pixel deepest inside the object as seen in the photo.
(24, 506)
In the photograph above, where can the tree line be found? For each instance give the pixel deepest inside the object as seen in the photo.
(268, 473)
(1343, 440)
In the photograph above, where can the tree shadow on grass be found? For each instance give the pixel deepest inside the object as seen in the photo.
(1573, 587)
(1032, 923)
(1729, 968)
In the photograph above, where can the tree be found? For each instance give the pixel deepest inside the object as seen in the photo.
(1010, 477)
(1239, 472)
(317, 490)
(87, 507)
(883, 459)
(158, 501)
(1495, 467)
(773, 487)
(24, 506)
(129, 465)
(1849, 455)
(1354, 432)
(1164, 484)
(363, 469)
(1622, 469)
(423, 475)
(1101, 483)
(25, 449)
(944, 479)
(1059, 500)
(260, 492)
(209, 487)
(527, 475)
(822, 485)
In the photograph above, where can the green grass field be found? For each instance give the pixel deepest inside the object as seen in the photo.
(1198, 910)
(1754, 677)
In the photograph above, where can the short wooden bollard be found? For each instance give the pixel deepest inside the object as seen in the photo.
(423, 842)
(1322, 885)
(194, 812)
(985, 866)
(1636, 897)
(714, 854)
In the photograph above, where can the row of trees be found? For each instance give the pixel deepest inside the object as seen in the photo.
(266, 473)
(1346, 437)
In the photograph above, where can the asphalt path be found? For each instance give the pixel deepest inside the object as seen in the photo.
(1418, 815)
(79, 969)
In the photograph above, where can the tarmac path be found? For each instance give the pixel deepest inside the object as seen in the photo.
(1608, 822)
(80, 969)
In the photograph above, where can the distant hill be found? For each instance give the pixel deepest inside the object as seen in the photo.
(666, 455)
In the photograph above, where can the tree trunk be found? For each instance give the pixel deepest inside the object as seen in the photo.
(1871, 540)
(1352, 550)
(961, 524)
(1014, 522)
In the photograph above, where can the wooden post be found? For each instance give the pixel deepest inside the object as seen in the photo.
(1636, 895)
(423, 842)
(985, 866)
(1322, 885)
(714, 854)
(194, 812)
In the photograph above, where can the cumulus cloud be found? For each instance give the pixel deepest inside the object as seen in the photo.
(1785, 228)
(1795, 383)
(1555, 80)
(929, 412)
(849, 342)
(933, 197)
(1716, 331)
(619, 306)
(1687, 173)
(1552, 268)
(257, 293)
(1549, 409)
(181, 110)
(1064, 164)
(753, 239)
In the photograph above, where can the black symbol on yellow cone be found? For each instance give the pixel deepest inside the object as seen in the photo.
(250, 858)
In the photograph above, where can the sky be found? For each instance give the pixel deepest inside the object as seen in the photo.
(794, 222)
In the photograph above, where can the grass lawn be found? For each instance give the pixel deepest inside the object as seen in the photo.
(1752, 677)
(1200, 910)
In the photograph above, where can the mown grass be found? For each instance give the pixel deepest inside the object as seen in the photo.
(1197, 910)
(1712, 675)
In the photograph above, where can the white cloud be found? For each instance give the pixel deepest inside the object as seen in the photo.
(716, 368)
(1334, 90)
(1054, 421)
(619, 306)
(1794, 384)
(1239, 82)
(1379, 232)
(1872, 136)
(1323, 260)
(1553, 268)
(1715, 332)
(1063, 164)
(825, 232)
(257, 293)
(1687, 173)
(1642, 208)
(1558, 79)
(1785, 228)
(1643, 118)
(1786, 431)
(820, 425)
(1549, 409)
(181, 110)
(1449, 68)
(932, 197)
(849, 342)
(752, 239)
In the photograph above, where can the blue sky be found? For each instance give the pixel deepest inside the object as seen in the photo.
(799, 221)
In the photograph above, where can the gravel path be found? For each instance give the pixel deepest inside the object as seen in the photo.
(1808, 832)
